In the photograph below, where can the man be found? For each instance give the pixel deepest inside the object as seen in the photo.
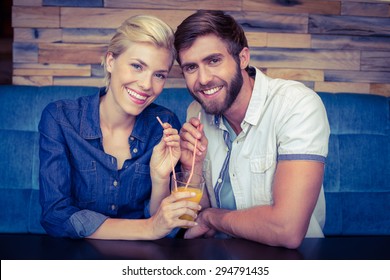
(266, 139)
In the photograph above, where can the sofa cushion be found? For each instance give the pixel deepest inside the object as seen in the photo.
(357, 171)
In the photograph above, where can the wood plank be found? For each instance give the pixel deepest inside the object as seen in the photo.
(350, 42)
(74, 3)
(307, 59)
(380, 89)
(226, 5)
(357, 76)
(375, 61)
(71, 53)
(32, 80)
(52, 72)
(30, 17)
(296, 74)
(176, 72)
(269, 22)
(175, 83)
(281, 40)
(87, 35)
(37, 35)
(51, 66)
(27, 3)
(113, 18)
(364, 9)
(256, 39)
(290, 7)
(349, 25)
(25, 52)
(338, 87)
(91, 81)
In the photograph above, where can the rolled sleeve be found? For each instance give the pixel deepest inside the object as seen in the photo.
(86, 222)
(305, 131)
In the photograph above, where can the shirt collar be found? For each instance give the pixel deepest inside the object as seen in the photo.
(90, 118)
(256, 103)
(259, 96)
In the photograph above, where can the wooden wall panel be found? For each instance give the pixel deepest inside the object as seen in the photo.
(37, 35)
(302, 6)
(229, 5)
(365, 9)
(329, 45)
(112, 18)
(47, 17)
(310, 59)
(71, 53)
(349, 25)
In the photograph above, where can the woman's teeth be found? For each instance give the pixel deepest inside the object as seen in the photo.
(136, 95)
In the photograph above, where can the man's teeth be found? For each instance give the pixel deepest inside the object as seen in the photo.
(211, 91)
(136, 95)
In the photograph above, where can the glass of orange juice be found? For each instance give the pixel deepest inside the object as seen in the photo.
(183, 184)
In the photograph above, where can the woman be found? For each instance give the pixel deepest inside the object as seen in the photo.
(104, 165)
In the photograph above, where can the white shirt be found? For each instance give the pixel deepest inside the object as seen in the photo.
(285, 120)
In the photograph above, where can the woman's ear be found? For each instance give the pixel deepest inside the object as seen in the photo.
(244, 58)
(109, 61)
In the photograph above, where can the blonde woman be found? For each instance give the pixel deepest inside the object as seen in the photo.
(104, 159)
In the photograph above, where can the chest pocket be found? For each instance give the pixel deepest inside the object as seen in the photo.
(262, 169)
(141, 184)
(84, 181)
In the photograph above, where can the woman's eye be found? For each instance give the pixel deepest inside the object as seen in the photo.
(161, 76)
(136, 66)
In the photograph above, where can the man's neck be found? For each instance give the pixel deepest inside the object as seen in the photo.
(236, 113)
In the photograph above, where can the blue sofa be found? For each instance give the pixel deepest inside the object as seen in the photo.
(357, 173)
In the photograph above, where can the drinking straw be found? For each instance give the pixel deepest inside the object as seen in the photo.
(193, 159)
(170, 153)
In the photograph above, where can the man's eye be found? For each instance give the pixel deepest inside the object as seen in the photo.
(214, 60)
(189, 68)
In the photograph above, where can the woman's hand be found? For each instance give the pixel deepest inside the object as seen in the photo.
(167, 216)
(190, 133)
(166, 154)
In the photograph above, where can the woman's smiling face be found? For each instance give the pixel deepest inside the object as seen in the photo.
(138, 76)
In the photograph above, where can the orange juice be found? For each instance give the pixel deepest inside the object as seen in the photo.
(196, 198)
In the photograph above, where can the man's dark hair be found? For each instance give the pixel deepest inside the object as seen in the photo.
(205, 22)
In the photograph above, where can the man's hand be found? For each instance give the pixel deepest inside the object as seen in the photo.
(201, 229)
(190, 133)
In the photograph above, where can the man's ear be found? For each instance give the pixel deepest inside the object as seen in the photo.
(244, 58)
(109, 61)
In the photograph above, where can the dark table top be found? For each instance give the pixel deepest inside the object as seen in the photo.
(44, 247)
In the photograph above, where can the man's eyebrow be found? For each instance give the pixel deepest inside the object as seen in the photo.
(205, 59)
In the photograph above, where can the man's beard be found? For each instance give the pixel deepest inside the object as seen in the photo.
(214, 107)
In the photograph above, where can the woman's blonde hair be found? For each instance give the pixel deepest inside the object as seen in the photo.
(139, 29)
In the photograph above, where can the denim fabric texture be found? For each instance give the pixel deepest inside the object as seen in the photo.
(80, 185)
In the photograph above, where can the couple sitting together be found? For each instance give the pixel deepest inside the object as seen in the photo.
(259, 143)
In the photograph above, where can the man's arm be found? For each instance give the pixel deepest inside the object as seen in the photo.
(296, 187)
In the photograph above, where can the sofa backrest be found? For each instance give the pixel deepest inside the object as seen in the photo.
(357, 171)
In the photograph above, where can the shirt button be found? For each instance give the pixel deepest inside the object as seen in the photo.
(219, 180)
(115, 183)
(113, 207)
(135, 150)
(131, 138)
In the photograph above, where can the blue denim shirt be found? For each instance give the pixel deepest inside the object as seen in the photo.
(80, 185)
